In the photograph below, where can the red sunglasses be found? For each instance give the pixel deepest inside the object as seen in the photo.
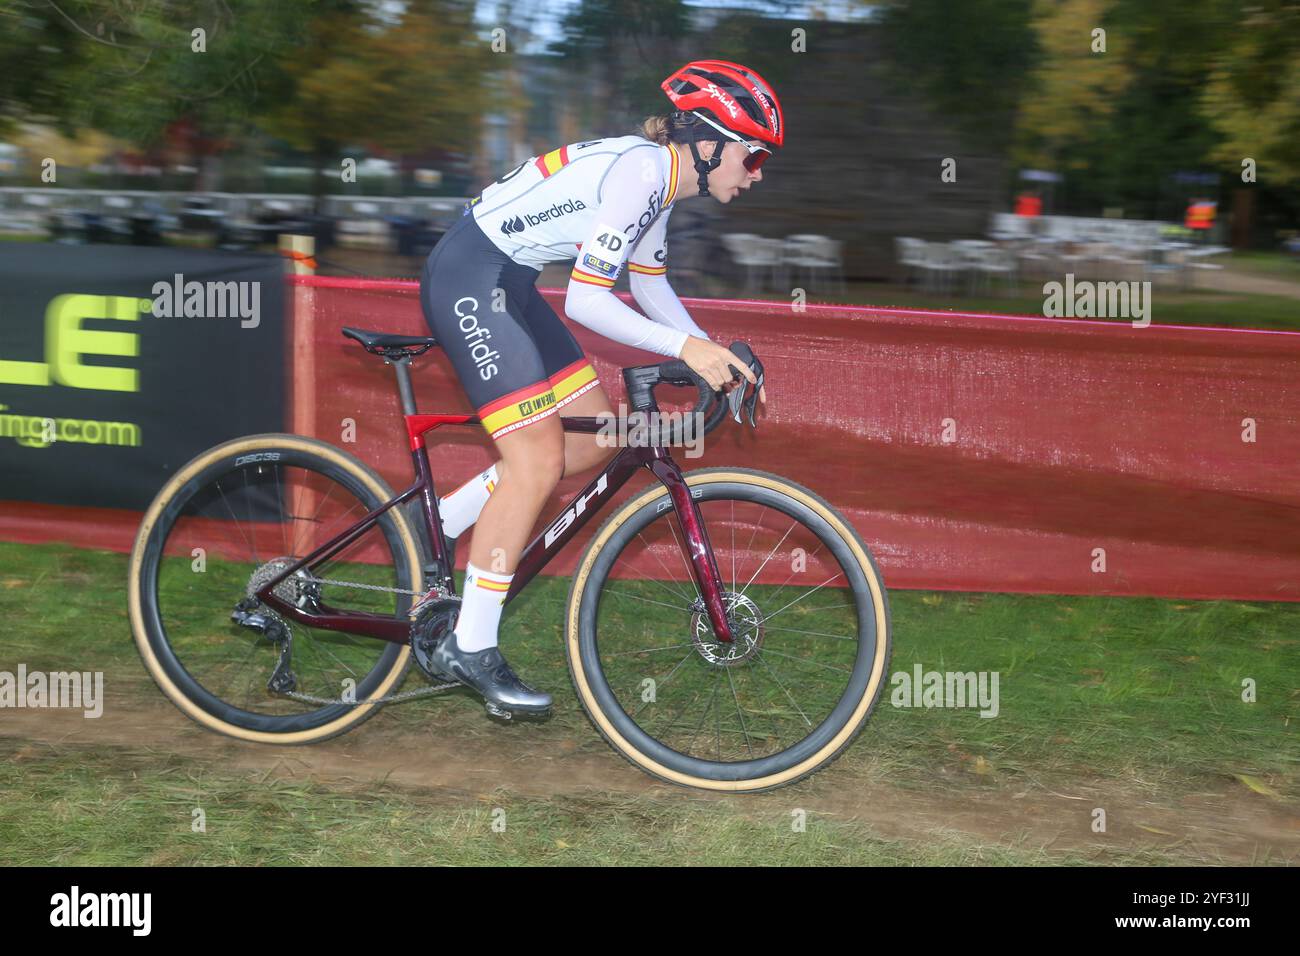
(757, 155)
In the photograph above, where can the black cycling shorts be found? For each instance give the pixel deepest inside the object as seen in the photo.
(515, 359)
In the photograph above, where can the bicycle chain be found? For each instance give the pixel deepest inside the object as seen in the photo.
(357, 584)
(387, 699)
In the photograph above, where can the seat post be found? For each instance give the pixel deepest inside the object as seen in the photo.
(400, 366)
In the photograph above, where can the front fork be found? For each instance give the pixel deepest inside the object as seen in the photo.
(704, 566)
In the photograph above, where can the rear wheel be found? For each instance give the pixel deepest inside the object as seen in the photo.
(226, 523)
(808, 609)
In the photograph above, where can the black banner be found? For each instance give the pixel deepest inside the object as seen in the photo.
(120, 364)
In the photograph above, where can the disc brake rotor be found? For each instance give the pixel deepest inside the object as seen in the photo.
(746, 627)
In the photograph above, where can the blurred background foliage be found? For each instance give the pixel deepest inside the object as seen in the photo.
(1180, 85)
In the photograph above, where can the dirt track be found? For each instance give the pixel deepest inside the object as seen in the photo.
(1233, 826)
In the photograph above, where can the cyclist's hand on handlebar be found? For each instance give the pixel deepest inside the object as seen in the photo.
(709, 360)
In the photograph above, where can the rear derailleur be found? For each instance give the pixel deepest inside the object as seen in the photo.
(272, 627)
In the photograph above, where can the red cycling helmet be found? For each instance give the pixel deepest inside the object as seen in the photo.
(730, 94)
(728, 100)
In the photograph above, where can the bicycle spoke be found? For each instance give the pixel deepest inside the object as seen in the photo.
(233, 663)
(752, 536)
(798, 630)
(230, 511)
(660, 685)
(651, 650)
(717, 714)
(740, 713)
(252, 525)
(703, 717)
(681, 553)
(279, 497)
(786, 582)
(841, 670)
(732, 502)
(668, 574)
(779, 682)
(793, 702)
(769, 557)
(802, 596)
(635, 597)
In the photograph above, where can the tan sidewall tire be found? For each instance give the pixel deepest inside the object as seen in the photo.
(341, 460)
(805, 767)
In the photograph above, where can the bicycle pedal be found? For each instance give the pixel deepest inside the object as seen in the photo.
(495, 710)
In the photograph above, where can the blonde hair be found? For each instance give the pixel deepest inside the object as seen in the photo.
(655, 129)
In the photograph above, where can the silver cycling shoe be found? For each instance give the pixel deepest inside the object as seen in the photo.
(487, 672)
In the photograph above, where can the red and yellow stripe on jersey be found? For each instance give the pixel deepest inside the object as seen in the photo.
(588, 278)
(535, 402)
(585, 276)
(672, 178)
(548, 164)
(523, 406)
(572, 381)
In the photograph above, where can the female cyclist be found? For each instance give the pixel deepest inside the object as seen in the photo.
(605, 202)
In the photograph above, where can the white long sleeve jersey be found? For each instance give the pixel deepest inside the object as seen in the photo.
(605, 203)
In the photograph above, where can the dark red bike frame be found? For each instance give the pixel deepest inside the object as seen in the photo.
(557, 533)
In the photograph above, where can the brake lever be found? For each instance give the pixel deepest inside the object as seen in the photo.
(736, 398)
(743, 398)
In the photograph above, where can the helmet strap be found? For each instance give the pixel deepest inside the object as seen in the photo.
(701, 132)
(706, 166)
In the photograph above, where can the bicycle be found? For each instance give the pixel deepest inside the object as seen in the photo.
(655, 659)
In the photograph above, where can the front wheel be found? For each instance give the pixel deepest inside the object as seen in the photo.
(808, 609)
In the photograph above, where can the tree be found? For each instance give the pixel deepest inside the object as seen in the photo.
(134, 70)
(971, 61)
(398, 85)
(1252, 95)
(620, 51)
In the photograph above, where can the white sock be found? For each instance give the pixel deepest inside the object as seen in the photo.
(461, 508)
(480, 608)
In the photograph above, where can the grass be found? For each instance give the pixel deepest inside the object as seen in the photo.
(97, 808)
(1143, 695)
(1272, 265)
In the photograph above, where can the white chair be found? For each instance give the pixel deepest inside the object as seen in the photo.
(968, 253)
(817, 254)
(993, 261)
(1038, 258)
(1195, 263)
(911, 253)
(1172, 262)
(1122, 261)
(1007, 225)
(754, 253)
(941, 263)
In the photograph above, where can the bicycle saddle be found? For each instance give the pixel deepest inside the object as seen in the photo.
(381, 343)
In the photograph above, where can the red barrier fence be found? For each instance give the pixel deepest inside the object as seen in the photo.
(972, 452)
